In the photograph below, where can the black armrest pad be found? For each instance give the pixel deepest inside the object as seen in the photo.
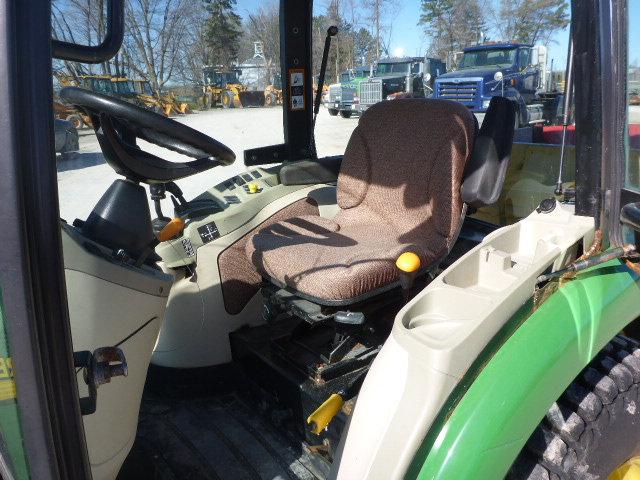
(486, 171)
(310, 172)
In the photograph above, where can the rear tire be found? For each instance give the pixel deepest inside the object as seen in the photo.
(333, 112)
(594, 427)
(228, 100)
(345, 114)
(270, 100)
(76, 121)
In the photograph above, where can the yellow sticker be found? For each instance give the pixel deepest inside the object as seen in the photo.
(7, 385)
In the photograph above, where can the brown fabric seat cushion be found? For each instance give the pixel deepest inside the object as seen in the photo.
(398, 190)
(330, 264)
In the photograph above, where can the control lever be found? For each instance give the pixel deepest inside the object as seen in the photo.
(332, 31)
(322, 416)
(157, 193)
(408, 265)
(99, 368)
(349, 318)
(175, 190)
(347, 325)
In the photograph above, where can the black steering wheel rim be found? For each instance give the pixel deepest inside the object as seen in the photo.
(150, 126)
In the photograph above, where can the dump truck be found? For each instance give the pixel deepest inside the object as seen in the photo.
(513, 70)
(345, 95)
(396, 77)
(222, 87)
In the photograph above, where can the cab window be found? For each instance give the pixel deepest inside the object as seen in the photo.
(633, 92)
(524, 58)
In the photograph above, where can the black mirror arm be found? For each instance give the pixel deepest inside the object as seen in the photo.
(98, 53)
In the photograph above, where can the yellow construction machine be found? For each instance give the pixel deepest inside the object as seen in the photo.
(167, 101)
(223, 88)
(138, 92)
(273, 92)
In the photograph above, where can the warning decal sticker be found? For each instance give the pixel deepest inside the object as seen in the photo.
(296, 86)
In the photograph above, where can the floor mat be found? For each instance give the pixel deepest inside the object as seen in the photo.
(209, 435)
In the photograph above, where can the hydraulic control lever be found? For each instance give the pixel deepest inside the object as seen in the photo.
(332, 31)
(408, 265)
(322, 416)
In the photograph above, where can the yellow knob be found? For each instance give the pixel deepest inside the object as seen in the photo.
(408, 262)
(253, 188)
(325, 413)
(171, 229)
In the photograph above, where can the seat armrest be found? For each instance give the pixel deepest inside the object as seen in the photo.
(310, 172)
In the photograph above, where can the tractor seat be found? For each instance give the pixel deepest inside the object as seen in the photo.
(399, 189)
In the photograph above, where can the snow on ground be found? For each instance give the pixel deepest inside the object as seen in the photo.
(83, 178)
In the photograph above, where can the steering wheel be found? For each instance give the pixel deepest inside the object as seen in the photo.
(118, 124)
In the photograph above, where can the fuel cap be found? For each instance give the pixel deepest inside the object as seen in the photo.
(547, 205)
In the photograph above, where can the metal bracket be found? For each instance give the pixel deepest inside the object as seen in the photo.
(99, 368)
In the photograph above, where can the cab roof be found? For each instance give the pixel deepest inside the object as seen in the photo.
(495, 46)
(400, 59)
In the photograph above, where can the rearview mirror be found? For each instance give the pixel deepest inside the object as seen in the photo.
(107, 49)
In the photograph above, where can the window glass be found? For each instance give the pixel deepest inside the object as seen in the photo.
(488, 58)
(461, 62)
(525, 57)
(389, 68)
(633, 91)
(185, 60)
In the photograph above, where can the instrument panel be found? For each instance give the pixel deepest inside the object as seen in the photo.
(239, 198)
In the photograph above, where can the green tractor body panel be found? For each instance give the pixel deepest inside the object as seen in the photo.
(488, 419)
(11, 446)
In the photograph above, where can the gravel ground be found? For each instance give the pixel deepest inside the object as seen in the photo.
(84, 178)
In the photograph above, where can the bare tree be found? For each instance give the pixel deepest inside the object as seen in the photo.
(451, 25)
(263, 26)
(381, 14)
(155, 38)
(82, 22)
(531, 21)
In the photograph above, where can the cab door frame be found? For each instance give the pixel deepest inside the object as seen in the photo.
(31, 268)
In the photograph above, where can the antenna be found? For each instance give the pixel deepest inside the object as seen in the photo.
(566, 114)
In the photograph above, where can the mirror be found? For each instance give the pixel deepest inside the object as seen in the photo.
(88, 32)
(81, 22)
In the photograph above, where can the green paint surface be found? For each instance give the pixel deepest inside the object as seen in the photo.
(11, 446)
(479, 434)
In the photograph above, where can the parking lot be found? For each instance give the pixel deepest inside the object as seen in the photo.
(83, 178)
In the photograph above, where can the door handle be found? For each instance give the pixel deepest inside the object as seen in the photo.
(99, 368)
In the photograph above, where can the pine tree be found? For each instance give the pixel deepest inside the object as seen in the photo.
(532, 21)
(222, 32)
(451, 25)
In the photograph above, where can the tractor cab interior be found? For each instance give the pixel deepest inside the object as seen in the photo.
(295, 281)
(285, 278)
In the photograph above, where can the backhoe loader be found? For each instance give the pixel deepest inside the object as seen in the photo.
(349, 317)
(168, 101)
(273, 92)
(223, 88)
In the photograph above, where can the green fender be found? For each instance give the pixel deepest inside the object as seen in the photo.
(488, 419)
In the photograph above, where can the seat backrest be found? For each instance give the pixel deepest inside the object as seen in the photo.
(403, 168)
(485, 173)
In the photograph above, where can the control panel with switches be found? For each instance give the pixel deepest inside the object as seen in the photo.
(239, 199)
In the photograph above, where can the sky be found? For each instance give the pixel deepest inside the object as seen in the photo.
(407, 36)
